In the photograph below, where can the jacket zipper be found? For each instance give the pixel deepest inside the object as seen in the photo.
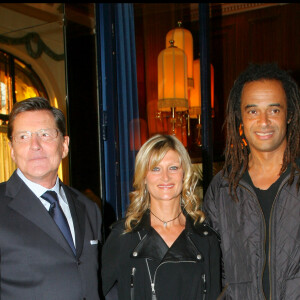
(154, 277)
(204, 286)
(271, 213)
(132, 283)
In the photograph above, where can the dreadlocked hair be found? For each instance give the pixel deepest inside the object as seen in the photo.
(236, 149)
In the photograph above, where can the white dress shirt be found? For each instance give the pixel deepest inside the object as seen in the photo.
(39, 190)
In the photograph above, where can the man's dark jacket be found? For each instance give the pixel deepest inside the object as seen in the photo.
(36, 262)
(242, 229)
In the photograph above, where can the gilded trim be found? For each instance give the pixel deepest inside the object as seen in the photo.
(224, 9)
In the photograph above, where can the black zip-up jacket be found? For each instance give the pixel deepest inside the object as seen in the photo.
(189, 269)
(242, 229)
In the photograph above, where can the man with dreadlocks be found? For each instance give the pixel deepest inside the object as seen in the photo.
(254, 202)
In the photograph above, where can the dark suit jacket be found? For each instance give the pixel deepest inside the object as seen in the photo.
(36, 262)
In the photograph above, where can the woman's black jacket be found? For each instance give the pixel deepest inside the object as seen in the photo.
(145, 268)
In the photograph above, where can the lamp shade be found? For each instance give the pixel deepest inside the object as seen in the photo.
(195, 93)
(172, 79)
(183, 39)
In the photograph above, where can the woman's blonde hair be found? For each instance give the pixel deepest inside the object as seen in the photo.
(149, 156)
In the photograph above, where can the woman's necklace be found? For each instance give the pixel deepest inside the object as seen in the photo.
(165, 222)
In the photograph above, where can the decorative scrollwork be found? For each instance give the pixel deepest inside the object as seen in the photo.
(28, 40)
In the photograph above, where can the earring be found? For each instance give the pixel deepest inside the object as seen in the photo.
(241, 132)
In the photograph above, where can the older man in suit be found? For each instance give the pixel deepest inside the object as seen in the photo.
(49, 233)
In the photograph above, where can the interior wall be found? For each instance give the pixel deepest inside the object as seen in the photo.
(262, 35)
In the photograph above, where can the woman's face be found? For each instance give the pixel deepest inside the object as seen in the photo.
(164, 181)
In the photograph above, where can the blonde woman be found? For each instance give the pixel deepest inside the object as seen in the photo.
(163, 249)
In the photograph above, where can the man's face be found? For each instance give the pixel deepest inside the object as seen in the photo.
(264, 115)
(37, 159)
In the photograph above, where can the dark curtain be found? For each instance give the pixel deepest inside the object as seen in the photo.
(119, 103)
(127, 96)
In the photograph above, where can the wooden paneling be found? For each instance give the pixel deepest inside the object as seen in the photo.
(223, 41)
(263, 35)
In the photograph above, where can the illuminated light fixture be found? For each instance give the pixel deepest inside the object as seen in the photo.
(183, 39)
(195, 101)
(195, 93)
(195, 98)
(172, 81)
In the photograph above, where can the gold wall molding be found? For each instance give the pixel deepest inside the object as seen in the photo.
(225, 9)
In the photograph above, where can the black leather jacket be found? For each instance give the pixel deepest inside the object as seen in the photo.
(243, 231)
(189, 269)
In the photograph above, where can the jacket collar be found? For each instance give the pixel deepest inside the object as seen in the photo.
(25, 202)
(153, 246)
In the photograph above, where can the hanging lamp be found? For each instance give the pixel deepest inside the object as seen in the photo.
(183, 39)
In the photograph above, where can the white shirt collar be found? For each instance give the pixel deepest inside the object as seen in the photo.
(36, 188)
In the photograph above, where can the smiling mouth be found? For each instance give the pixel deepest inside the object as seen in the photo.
(263, 134)
(166, 186)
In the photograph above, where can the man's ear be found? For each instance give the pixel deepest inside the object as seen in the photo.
(12, 153)
(65, 146)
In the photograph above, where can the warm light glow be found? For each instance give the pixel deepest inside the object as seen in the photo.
(7, 166)
(55, 102)
(172, 80)
(15, 77)
(24, 92)
(195, 93)
(183, 39)
(5, 95)
(60, 172)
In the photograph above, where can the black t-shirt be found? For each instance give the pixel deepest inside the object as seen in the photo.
(266, 199)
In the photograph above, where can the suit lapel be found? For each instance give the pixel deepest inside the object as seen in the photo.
(30, 207)
(77, 210)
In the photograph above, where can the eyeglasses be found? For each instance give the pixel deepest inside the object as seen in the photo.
(46, 135)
